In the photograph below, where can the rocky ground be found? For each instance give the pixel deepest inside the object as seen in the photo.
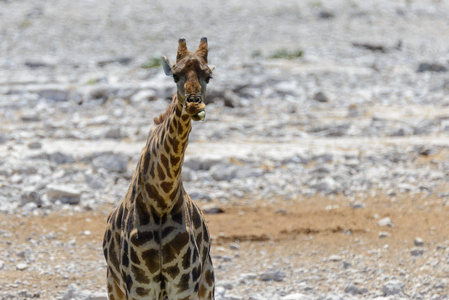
(326, 142)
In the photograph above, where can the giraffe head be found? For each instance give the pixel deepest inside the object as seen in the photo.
(191, 74)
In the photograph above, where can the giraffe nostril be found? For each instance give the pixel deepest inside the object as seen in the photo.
(194, 99)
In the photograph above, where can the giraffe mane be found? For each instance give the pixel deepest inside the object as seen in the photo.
(163, 116)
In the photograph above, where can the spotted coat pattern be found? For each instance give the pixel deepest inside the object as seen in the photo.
(157, 244)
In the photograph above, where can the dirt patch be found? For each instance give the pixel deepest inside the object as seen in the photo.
(280, 229)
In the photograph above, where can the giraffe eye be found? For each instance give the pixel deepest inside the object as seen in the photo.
(176, 77)
(208, 78)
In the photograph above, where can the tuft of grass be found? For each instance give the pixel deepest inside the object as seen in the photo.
(256, 54)
(151, 63)
(285, 54)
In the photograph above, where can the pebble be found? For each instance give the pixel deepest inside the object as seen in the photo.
(212, 208)
(358, 205)
(21, 266)
(74, 292)
(227, 285)
(393, 287)
(63, 193)
(234, 246)
(297, 296)
(385, 222)
(417, 252)
(355, 289)
(320, 97)
(61, 158)
(113, 133)
(30, 195)
(35, 145)
(431, 67)
(54, 94)
(384, 234)
(112, 162)
(95, 181)
(272, 275)
(419, 242)
(327, 185)
(233, 297)
(229, 172)
(334, 258)
(334, 297)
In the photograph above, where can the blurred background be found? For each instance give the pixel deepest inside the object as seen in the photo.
(323, 160)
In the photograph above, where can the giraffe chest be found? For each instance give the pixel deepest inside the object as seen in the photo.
(165, 254)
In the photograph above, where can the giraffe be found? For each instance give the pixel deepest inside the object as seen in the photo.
(157, 244)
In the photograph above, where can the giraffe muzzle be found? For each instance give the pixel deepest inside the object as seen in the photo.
(194, 99)
(195, 107)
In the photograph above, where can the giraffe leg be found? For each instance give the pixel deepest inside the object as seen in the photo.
(207, 282)
(114, 290)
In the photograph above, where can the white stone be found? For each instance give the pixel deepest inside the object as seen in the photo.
(111, 162)
(419, 242)
(188, 175)
(327, 185)
(334, 297)
(113, 133)
(21, 266)
(35, 145)
(385, 222)
(30, 195)
(297, 296)
(383, 234)
(63, 193)
(212, 208)
(54, 94)
(97, 296)
(334, 258)
(71, 292)
(95, 182)
(248, 276)
(355, 289)
(227, 172)
(234, 246)
(257, 297)
(393, 287)
(233, 297)
(272, 275)
(144, 95)
(227, 285)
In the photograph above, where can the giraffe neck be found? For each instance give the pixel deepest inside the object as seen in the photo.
(158, 186)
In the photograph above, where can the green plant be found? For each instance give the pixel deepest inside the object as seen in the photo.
(256, 54)
(284, 53)
(152, 62)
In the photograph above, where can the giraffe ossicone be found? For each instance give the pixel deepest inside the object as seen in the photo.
(157, 244)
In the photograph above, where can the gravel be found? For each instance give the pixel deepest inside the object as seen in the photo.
(353, 115)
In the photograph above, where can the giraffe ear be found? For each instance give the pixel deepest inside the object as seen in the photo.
(167, 64)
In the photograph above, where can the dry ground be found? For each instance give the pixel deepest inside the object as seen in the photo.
(306, 230)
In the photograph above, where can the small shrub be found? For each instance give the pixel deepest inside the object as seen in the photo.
(256, 54)
(284, 53)
(153, 62)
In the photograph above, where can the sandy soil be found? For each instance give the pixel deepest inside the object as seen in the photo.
(301, 229)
